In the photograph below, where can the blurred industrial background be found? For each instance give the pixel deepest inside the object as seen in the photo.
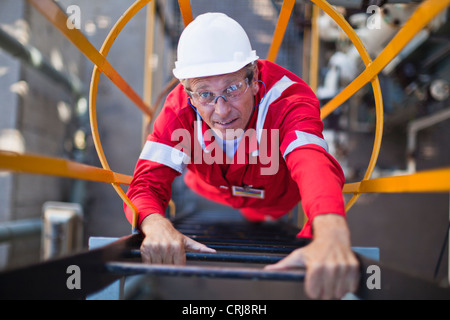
(44, 85)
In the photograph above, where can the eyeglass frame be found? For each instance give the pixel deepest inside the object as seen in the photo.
(247, 79)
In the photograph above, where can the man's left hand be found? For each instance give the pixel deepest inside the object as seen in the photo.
(332, 269)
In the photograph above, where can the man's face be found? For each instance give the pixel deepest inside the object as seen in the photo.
(224, 117)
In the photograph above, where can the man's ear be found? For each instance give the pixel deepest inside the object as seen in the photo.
(254, 84)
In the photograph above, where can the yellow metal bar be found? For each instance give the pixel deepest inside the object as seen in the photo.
(107, 44)
(37, 164)
(306, 58)
(149, 39)
(437, 180)
(186, 11)
(128, 202)
(314, 64)
(420, 18)
(377, 140)
(104, 50)
(280, 29)
(351, 34)
(148, 65)
(345, 26)
(58, 18)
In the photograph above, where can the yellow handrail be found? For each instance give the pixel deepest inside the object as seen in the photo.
(186, 11)
(315, 48)
(37, 164)
(280, 29)
(351, 34)
(107, 44)
(148, 67)
(437, 180)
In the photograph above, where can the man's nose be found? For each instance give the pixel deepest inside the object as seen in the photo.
(221, 106)
(217, 98)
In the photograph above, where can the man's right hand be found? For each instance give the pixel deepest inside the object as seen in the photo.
(163, 244)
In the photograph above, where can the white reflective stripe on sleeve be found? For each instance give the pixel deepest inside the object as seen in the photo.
(305, 138)
(164, 154)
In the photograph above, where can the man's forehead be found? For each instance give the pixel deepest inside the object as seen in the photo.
(215, 81)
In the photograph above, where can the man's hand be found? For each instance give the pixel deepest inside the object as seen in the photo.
(332, 269)
(163, 244)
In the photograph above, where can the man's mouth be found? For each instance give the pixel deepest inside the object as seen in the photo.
(225, 123)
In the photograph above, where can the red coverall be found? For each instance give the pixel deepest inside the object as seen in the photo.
(283, 158)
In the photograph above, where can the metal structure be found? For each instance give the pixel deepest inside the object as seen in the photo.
(248, 245)
(104, 265)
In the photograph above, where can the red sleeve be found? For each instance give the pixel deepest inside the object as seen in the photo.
(318, 175)
(150, 190)
(151, 187)
(320, 180)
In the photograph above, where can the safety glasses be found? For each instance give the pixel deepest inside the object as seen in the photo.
(231, 93)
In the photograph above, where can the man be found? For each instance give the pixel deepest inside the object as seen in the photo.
(249, 134)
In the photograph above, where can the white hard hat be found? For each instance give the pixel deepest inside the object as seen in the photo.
(210, 45)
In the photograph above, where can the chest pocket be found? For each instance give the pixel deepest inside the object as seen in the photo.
(269, 175)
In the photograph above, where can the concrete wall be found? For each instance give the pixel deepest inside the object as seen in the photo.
(31, 121)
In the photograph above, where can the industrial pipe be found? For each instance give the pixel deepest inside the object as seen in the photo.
(414, 127)
(19, 229)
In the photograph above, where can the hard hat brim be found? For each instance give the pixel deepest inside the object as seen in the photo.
(211, 69)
